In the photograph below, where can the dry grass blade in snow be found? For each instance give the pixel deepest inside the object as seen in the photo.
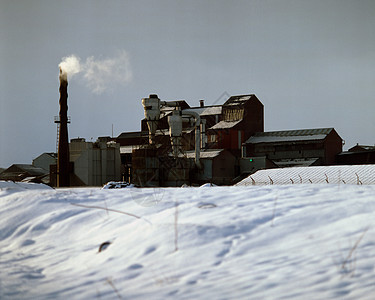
(226, 246)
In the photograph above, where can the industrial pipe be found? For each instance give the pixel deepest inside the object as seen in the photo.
(151, 106)
(197, 135)
(175, 131)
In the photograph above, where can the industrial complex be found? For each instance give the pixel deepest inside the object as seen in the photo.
(220, 144)
(182, 145)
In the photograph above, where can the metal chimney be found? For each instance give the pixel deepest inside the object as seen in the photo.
(201, 103)
(63, 149)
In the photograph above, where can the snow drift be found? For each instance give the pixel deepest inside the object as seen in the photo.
(251, 242)
(356, 174)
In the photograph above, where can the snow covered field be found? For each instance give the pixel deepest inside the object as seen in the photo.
(245, 242)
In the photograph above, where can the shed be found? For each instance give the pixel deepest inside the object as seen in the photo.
(45, 160)
(357, 155)
(19, 172)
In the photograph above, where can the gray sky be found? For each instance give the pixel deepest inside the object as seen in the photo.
(311, 63)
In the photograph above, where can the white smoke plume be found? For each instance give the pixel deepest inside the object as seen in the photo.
(70, 65)
(100, 75)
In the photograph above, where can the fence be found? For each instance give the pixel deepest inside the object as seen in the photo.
(357, 174)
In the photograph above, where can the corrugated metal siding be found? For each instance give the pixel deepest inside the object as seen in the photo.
(299, 132)
(291, 135)
(285, 138)
(206, 111)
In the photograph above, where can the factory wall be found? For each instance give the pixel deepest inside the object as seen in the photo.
(228, 138)
(218, 169)
(253, 119)
(95, 163)
(332, 147)
(45, 160)
(356, 157)
(223, 168)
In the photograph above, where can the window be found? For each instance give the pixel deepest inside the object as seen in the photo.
(213, 138)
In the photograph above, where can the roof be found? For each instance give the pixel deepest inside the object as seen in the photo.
(202, 111)
(181, 103)
(165, 110)
(129, 135)
(52, 154)
(30, 169)
(237, 100)
(297, 162)
(209, 153)
(353, 174)
(207, 110)
(289, 136)
(358, 148)
(20, 171)
(225, 125)
(48, 154)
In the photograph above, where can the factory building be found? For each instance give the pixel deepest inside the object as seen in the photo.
(92, 163)
(45, 160)
(179, 144)
(26, 173)
(241, 117)
(221, 144)
(357, 155)
(292, 148)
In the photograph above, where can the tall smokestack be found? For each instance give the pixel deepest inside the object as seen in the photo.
(63, 150)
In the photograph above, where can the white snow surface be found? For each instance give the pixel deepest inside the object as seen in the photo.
(355, 174)
(225, 124)
(241, 242)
